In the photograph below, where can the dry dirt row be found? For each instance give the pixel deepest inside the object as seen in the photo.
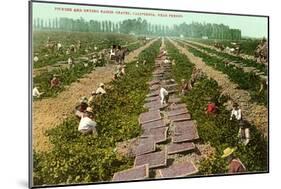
(254, 113)
(47, 113)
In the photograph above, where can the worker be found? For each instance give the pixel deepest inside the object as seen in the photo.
(164, 96)
(70, 62)
(55, 82)
(211, 108)
(236, 112)
(87, 124)
(59, 46)
(234, 164)
(101, 89)
(36, 93)
(35, 59)
(184, 86)
(81, 108)
(92, 98)
(244, 132)
(112, 52)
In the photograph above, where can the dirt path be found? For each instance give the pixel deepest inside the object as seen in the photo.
(254, 113)
(48, 113)
(245, 56)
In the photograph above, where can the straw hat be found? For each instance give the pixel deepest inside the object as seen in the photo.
(227, 152)
(89, 109)
(101, 84)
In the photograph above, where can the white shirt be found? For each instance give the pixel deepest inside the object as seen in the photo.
(59, 46)
(163, 93)
(69, 61)
(35, 92)
(236, 114)
(86, 123)
(36, 59)
(100, 90)
(112, 52)
(166, 61)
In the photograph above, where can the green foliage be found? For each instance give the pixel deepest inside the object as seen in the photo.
(233, 58)
(88, 41)
(184, 68)
(248, 46)
(78, 158)
(68, 76)
(246, 81)
(218, 130)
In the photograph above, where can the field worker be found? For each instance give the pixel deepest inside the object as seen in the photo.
(234, 164)
(112, 52)
(211, 108)
(87, 124)
(55, 82)
(244, 132)
(236, 112)
(36, 93)
(92, 98)
(59, 46)
(78, 44)
(101, 89)
(67, 52)
(123, 70)
(35, 59)
(81, 108)
(184, 86)
(72, 48)
(117, 72)
(70, 61)
(164, 96)
(95, 59)
(166, 61)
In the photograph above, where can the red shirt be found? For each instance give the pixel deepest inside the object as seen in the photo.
(211, 108)
(55, 82)
(236, 166)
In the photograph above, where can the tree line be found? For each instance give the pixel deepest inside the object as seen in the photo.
(139, 27)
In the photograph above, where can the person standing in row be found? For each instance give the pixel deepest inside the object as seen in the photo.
(234, 163)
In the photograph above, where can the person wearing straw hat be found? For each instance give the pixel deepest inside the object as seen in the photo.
(234, 164)
(81, 108)
(92, 98)
(87, 124)
(101, 89)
